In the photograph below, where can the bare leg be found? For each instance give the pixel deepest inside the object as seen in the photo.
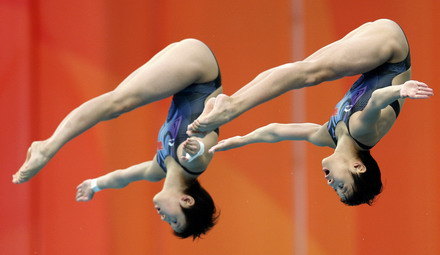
(360, 51)
(170, 71)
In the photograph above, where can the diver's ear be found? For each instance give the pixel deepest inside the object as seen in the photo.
(187, 201)
(359, 167)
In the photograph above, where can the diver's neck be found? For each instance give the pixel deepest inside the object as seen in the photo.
(346, 143)
(176, 178)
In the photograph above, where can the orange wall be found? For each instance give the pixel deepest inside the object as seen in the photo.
(56, 55)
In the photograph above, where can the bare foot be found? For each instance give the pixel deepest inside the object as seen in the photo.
(36, 159)
(216, 113)
(84, 191)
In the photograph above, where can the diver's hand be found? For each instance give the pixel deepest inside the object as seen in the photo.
(416, 90)
(227, 144)
(84, 191)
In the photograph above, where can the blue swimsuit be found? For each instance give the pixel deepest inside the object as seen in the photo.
(186, 106)
(360, 92)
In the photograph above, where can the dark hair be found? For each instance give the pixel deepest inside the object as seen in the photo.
(200, 217)
(367, 185)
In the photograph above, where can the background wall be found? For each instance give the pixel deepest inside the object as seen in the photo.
(56, 55)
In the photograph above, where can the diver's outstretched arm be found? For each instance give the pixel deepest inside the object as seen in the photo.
(381, 98)
(118, 179)
(275, 132)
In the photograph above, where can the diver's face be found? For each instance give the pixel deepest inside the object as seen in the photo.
(338, 174)
(169, 208)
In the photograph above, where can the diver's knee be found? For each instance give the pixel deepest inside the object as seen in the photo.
(119, 104)
(314, 72)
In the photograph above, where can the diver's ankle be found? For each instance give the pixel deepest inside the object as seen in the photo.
(234, 108)
(47, 148)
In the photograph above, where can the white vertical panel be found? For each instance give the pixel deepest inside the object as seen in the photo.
(298, 148)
